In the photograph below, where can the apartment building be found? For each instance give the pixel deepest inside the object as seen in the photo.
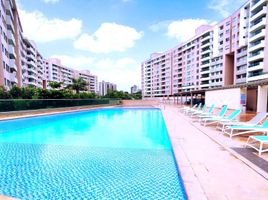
(91, 80)
(33, 67)
(56, 72)
(232, 52)
(10, 31)
(156, 75)
(105, 86)
(21, 62)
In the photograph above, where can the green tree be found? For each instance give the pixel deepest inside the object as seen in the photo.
(15, 92)
(3, 93)
(78, 85)
(28, 92)
(55, 85)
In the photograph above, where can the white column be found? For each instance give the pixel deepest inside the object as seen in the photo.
(262, 99)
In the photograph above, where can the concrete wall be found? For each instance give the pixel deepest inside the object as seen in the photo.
(140, 102)
(230, 97)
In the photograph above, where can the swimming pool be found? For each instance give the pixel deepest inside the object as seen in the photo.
(117, 153)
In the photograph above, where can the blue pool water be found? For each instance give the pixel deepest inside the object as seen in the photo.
(99, 154)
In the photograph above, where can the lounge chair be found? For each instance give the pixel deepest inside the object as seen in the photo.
(262, 139)
(206, 114)
(186, 108)
(188, 112)
(253, 122)
(220, 115)
(230, 130)
(197, 112)
(213, 120)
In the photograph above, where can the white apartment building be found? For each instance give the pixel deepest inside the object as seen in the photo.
(33, 70)
(91, 80)
(56, 72)
(105, 86)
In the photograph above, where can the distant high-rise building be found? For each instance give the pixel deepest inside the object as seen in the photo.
(104, 87)
(134, 89)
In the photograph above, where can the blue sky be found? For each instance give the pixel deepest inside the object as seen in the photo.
(112, 37)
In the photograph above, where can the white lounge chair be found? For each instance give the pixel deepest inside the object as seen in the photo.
(261, 139)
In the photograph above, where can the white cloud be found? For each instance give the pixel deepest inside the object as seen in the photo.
(39, 28)
(225, 7)
(78, 62)
(125, 72)
(184, 29)
(110, 37)
(51, 1)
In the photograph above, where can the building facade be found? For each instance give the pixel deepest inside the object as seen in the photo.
(33, 68)
(22, 64)
(104, 87)
(134, 89)
(92, 80)
(232, 52)
(11, 45)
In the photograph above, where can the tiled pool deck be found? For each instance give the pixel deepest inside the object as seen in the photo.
(209, 167)
(212, 166)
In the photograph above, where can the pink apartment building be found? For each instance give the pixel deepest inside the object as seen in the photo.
(230, 54)
(22, 64)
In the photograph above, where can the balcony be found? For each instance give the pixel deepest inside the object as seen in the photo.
(255, 6)
(30, 56)
(207, 44)
(31, 63)
(258, 35)
(256, 66)
(258, 25)
(241, 62)
(241, 71)
(9, 10)
(11, 39)
(205, 52)
(207, 78)
(10, 27)
(13, 78)
(12, 65)
(241, 80)
(205, 72)
(206, 85)
(256, 56)
(12, 53)
(262, 12)
(205, 65)
(214, 84)
(241, 54)
(256, 46)
(31, 50)
(207, 37)
(259, 76)
(216, 76)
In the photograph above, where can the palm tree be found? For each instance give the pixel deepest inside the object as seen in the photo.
(78, 85)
